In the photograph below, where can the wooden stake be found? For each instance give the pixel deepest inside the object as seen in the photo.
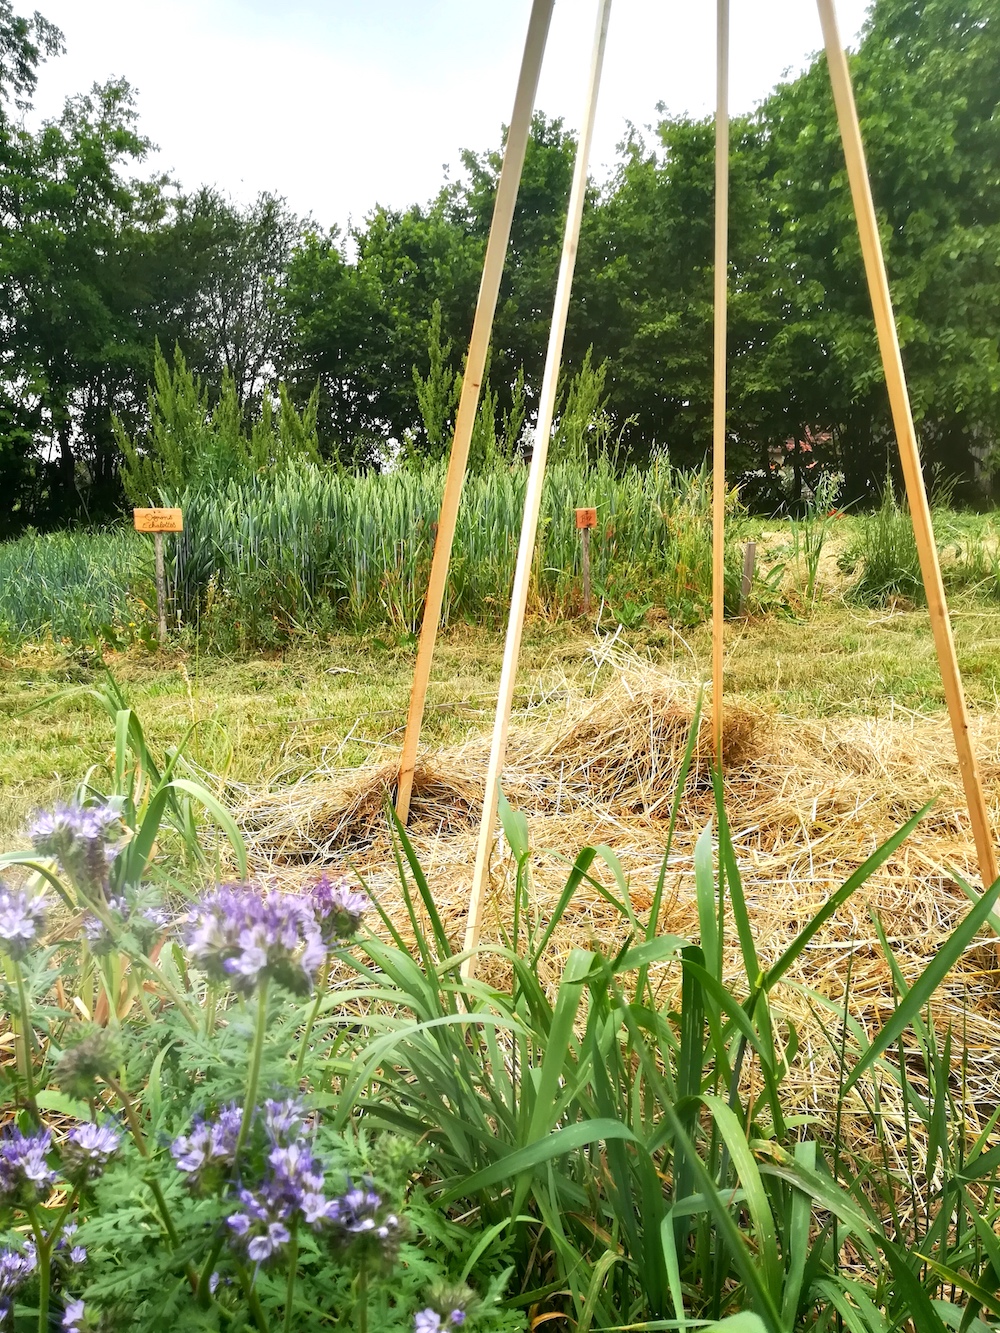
(878, 286)
(475, 364)
(585, 520)
(533, 497)
(585, 563)
(719, 377)
(161, 587)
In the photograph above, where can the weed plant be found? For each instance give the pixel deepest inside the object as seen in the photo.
(885, 554)
(268, 1120)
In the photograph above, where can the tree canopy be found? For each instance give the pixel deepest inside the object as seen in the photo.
(99, 262)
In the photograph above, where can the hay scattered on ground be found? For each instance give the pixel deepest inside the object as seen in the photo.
(807, 803)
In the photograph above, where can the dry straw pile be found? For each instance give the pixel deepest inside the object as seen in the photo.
(807, 802)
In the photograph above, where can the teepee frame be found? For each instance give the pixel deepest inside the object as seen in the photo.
(878, 285)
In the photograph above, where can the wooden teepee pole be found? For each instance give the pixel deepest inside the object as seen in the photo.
(475, 364)
(719, 370)
(533, 497)
(878, 286)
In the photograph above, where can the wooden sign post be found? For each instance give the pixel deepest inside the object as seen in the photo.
(159, 521)
(585, 520)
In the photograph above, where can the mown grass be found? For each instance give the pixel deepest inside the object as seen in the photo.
(276, 717)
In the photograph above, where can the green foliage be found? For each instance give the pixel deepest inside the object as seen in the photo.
(75, 585)
(886, 553)
(609, 1134)
(582, 433)
(592, 1150)
(279, 555)
(437, 395)
(189, 445)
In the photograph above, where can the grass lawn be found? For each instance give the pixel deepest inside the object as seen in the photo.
(271, 719)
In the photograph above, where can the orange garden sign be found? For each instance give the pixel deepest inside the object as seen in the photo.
(159, 521)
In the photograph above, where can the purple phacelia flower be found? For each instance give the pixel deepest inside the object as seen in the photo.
(15, 1269)
(25, 1175)
(457, 1318)
(283, 1120)
(240, 936)
(358, 1217)
(73, 1317)
(260, 1227)
(210, 1148)
(88, 1150)
(426, 1321)
(21, 917)
(144, 920)
(81, 838)
(338, 908)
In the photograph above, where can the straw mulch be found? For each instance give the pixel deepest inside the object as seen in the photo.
(807, 804)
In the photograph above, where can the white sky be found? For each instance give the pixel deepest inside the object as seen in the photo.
(342, 104)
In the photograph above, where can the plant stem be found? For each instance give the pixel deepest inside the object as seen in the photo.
(254, 1077)
(313, 1012)
(135, 1129)
(253, 1300)
(43, 1251)
(361, 1308)
(202, 1290)
(25, 1043)
(293, 1263)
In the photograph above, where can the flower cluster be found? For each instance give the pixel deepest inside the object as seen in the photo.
(82, 839)
(429, 1321)
(133, 912)
(240, 936)
(88, 1150)
(338, 908)
(291, 1190)
(76, 1254)
(448, 1307)
(25, 1175)
(210, 1148)
(21, 917)
(79, 1067)
(15, 1269)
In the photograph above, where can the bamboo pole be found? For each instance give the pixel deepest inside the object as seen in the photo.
(533, 497)
(475, 364)
(878, 286)
(719, 367)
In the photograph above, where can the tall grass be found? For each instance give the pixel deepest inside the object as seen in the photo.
(306, 548)
(73, 584)
(636, 1159)
(268, 557)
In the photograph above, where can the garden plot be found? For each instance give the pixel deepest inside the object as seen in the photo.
(808, 802)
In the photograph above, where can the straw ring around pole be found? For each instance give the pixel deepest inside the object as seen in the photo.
(475, 364)
(533, 497)
(878, 286)
(719, 370)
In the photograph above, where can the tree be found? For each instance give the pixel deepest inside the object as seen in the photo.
(235, 317)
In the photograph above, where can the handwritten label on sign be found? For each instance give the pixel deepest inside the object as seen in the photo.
(158, 520)
(586, 518)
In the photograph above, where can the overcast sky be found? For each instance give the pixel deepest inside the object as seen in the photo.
(342, 104)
